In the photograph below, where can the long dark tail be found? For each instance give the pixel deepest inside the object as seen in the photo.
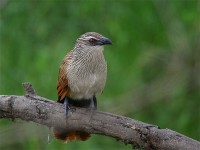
(63, 135)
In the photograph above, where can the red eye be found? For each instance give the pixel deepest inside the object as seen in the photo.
(92, 40)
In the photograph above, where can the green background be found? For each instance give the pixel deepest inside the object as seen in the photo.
(153, 64)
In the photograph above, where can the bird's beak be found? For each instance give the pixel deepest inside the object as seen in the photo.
(104, 41)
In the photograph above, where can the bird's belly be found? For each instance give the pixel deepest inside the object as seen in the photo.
(87, 87)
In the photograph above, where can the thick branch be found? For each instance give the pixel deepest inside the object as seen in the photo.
(43, 111)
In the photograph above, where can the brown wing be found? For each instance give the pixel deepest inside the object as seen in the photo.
(62, 84)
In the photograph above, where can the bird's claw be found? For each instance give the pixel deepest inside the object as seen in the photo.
(66, 105)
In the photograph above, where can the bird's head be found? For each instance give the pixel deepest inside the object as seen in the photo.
(93, 39)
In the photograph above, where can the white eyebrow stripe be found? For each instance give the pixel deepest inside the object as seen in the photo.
(88, 37)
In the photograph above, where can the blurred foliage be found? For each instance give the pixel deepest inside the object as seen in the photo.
(153, 64)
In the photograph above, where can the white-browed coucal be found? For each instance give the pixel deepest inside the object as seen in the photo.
(82, 74)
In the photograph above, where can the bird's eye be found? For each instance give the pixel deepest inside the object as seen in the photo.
(92, 40)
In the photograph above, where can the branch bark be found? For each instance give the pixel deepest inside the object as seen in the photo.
(32, 107)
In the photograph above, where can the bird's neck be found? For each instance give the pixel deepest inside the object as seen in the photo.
(88, 52)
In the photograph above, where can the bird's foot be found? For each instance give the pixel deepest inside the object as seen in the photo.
(93, 106)
(67, 106)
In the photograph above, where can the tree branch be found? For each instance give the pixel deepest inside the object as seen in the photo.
(32, 107)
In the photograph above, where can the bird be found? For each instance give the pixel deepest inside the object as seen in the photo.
(82, 74)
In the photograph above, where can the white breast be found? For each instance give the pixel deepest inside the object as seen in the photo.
(87, 74)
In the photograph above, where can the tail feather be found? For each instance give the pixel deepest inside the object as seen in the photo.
(63, 135)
